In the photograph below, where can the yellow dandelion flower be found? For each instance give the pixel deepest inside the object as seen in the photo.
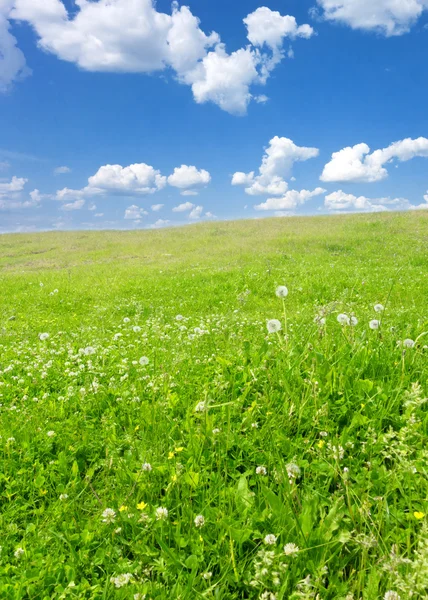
(122, 508)
(43, 492)
(174, 477)
(321, 443)
(141, 505)
(170, 455)
(418, 514)
(180, 449)
(137, 428)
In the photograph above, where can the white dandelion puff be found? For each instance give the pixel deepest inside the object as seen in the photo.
(199, 521)
(353, 321)
(273, 326)
(43, 336)
(281, 291)
(144, 361)
(126, 320)
(343, 319)
(379, 308)
(136, 328)
(408, 343)
(374, 324)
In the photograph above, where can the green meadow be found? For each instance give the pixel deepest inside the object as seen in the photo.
(174, 424)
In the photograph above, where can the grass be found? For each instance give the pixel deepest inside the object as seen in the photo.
(228, 443)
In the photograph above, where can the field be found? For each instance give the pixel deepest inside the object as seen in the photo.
(157, 441)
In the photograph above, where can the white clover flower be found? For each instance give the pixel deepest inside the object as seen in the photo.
(144, 361)
(379, 308)
(139, 596)
(343, 319)
(273, 325)
(408, 343)
(353, 321)
(161, 513)
(199, 521)
(146, 467)
(121, 580)
(291, 549)
(391, 596)
(43, 336)
(374, 324)
(109, 515)
(281, 291)
(63, 496)
(261, 470)
(268, 596)
(201, 407)
(270, 539)
(50, 433)
(18, 552)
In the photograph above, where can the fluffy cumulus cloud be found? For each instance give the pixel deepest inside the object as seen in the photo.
(183, 207)
(290, 200)
(13, 198)
(12, 60)
(187, 177)
(389, 17)
(131, 36)
(16, 184)
(357, 164)
(135, 213)
(156, 207)
(196, 212)
(277, 163)
(341, 202)
(76, 205)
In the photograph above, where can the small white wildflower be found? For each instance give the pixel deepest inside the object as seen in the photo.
(391, 596)
(109, 515)
(374, 324)
(118, 530)
(18, 552)
(207, 575)
(270, 539)
(201, 407)
(50, 433)
(408, 343)
(261, 470)
(291, 549)
(139, 596)
(199, 521)
(379, 308)
(63, 496)
(255, 425)
(215, 431)
(121, 580)
(281, 291)
(293, 471)
(146, 467)
(161, 513)
(268, 596)
(144, 361)
(273, 326)
(43, 336)
(343, 319)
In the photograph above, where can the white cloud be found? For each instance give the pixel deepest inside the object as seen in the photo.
(61, 170)
(358, 165)
(16, 184)
(291, 200)
(92, 206)
(188, 176)
(426, 197)
(138, 178)
(389, 17)
(160, 223)
(134, 212)
(277, 163)
(98, 215)
(12, 61)
(196, 212)
(156, 207)
(341, 202)
(183, 207)
(131, 36)
(76, 205)
(189, 193)
(210, 215)
(4, 165)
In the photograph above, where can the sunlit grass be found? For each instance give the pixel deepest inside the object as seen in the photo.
(158, 441)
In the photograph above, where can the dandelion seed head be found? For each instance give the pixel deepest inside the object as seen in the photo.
(281, 291)
(144, 361)
(408, 343)
(379, 308)
(343, 319)
(43, 336)
(374, 324)
(273, 326)
(146, 466)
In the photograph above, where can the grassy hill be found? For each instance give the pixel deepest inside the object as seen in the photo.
(157, 441)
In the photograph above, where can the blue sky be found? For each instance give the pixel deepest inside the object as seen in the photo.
(123, 93)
